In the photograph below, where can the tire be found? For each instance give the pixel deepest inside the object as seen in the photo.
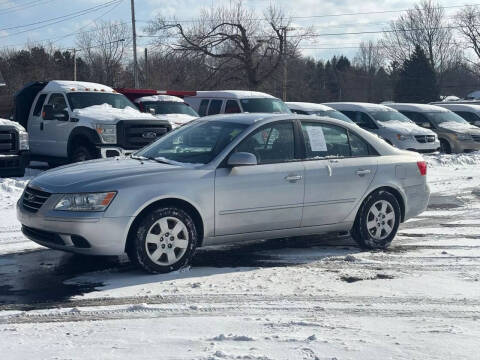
(371, 230)
(445, 147)
(82, 152)
(164, 251)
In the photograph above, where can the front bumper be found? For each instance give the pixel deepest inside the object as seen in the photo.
(83, 233)
(413, 144)
(14, 165)
(113, 151)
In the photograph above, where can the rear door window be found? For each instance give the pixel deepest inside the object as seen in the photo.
(215, 107)
(202, 110)
(232, 107)
(325, 140)
(358, 146)
(39, 105)
(361, 119)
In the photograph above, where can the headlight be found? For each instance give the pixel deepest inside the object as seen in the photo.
(23, 141)
(464, 137)
(108, 133)
(85, 202)
(402, 137)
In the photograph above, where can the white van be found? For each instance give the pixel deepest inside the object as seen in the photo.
(470, 112)
(305, 108)
(390, 125)
(235, 101)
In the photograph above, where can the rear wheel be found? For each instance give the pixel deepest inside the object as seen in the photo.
(165, 240)
(445, 147)
(377, 220)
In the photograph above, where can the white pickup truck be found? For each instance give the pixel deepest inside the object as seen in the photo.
(70, 121)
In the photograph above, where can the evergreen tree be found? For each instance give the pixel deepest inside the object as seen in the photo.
(416, 81)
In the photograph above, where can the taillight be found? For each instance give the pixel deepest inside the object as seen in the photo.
(422, 167)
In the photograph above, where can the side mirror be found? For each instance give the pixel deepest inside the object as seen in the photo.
(61, 115)
(242, 159)
(47, 113)
(426, 125)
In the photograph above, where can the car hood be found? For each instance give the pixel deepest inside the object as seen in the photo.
(102, 172)
(406, 128)
(107, 113)
(11, 123)
(459, 128)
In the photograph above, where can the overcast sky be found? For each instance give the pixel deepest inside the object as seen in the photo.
(14, 14)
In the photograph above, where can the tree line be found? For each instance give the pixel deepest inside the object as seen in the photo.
(421, 56)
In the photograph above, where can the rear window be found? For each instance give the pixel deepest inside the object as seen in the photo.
(215, 107)
(202, 110)
(264, 105)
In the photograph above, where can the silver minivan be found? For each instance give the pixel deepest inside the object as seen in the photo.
(390, 125)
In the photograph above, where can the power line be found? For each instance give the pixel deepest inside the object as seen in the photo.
(24, 6)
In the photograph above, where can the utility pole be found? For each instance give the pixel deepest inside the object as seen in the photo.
(134, 35)
(74, 64)
(146, 68)
(285, 73)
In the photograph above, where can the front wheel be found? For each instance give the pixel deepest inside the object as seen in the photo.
(445, 147)
(165, 240)
(82, 153)
(377, 220)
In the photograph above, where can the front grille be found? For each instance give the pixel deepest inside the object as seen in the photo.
(425, 138)
(476, 138)
(33, 199)
(8, 142)
(135, 134)
(41, 235)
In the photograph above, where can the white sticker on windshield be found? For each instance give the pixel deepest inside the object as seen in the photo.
(317, 139)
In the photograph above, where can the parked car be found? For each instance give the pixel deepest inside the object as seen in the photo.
(13, 149)
(235, 101)
(390, 125)
(224, 179)
(305, 108)
(456, 135)
(162, 104)
(469, 112)
(70, 121)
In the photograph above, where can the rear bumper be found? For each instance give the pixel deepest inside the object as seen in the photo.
(417, 200)
(14, 165)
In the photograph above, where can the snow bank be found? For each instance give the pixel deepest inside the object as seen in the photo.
(106, 112)
(454, 160)
(160, 98)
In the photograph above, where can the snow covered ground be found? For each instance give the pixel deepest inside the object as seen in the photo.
(309, 298)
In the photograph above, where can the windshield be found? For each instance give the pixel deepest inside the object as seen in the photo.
(264, 105)
(445, 117)
(196, 143)
(169, 108)
(390, 115)
(82, 100)
(333, 114)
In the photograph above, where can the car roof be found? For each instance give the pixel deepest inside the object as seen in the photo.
(75, 86)
(465, 107)
(159, 98)
(417, 107)
(234, 94)
(359, 106)
(306, 106)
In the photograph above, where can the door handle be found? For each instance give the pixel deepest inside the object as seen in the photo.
(293, 178)
(363, 172)
(41, 125)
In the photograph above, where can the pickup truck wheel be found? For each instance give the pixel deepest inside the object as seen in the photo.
(377, 221)
(82, 153)
(165, 240)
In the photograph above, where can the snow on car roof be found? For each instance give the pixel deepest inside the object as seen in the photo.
(417, 107)
(157, 98)
(75, 86)
(360, 106)
(459, 107)
(234, 94)
(306, 106)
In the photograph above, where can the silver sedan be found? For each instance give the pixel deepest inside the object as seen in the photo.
(224, 179)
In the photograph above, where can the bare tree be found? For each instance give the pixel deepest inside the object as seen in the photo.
(468, 21)
(104, 49)
(369, 57)
(232, 40)
(426, 26)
